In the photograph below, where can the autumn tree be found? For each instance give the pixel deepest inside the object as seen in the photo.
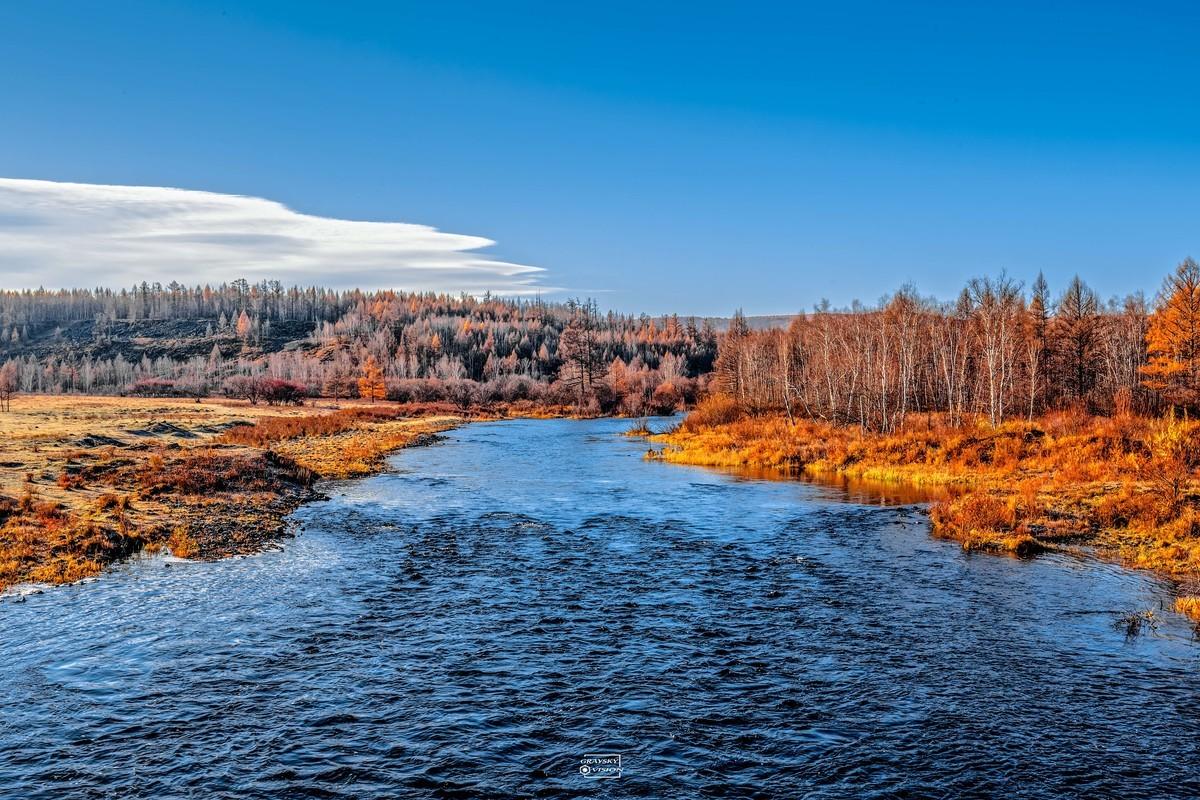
(10, 382)
(338, 384)
(1173, 338)
(245, 387)
(1035, 340)
(578, 347)
(730, 366)
(370, 384)
(244, 326)
(996, 314)
(1077, 330)
(1123, 354)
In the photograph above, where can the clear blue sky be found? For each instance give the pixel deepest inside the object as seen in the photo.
(691, 157)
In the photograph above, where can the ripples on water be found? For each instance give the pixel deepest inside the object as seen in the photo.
(530, 592)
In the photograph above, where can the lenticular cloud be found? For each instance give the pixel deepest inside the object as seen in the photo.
(84, 235)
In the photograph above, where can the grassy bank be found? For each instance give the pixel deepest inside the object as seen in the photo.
(1127, 487)
(85, 481)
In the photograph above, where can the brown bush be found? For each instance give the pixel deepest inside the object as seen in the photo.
(208, 472)
(181, 544)
(971, 513)
(713, 410)
(113, 502)
(70, 480)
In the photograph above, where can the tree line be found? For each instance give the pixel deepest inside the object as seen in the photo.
(231, 338)
(997, 350)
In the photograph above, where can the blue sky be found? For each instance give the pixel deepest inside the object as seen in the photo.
(683, 157)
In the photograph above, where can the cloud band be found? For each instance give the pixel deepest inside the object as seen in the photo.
(84, 235)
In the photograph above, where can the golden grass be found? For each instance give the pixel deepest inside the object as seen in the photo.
(85, 481)
(362, 449)
(1189, 606)
(181, 543)
(1128, 486)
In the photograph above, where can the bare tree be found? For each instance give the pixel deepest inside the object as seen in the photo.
(10, 383)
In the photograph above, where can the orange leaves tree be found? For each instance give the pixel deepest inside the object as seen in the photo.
(245, 327)
(370, 385)
(1173, 338)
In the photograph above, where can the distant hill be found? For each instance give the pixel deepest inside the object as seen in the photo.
(760, 323)
(195, 339)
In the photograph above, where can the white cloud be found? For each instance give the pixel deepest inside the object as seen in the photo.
(85, 235)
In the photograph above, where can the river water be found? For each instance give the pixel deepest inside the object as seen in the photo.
(527, 594)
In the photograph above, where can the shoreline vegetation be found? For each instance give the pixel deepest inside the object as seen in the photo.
(1054, 423)
(1120, 487)
(88, 481)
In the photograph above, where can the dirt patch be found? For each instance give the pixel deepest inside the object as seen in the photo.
(164, 429)
(94, 440)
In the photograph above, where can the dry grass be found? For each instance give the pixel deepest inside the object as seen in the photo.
(269, 430)
(362, 449)
(343, 444)
(85, 481)
(1126, 485)
(1189, 606)
(181, 544)
(639, 428)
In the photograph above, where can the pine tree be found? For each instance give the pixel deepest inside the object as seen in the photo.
(1037, 325)
(1078, 331)
(1173, 338)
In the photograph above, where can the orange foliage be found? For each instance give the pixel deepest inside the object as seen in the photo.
(716, 409)
(182, 545)
(208, 472)
(276, 429)
(370, 385)
(1173, 338)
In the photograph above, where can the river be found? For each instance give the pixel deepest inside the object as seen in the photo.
(527, 594)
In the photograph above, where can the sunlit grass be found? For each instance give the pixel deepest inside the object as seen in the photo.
(1128, 485)
(102, 478)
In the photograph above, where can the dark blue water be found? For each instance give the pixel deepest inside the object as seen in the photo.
(529, 593)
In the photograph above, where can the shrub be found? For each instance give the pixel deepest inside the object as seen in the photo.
(1189, 606)
(70, 480)
(244, 387)
(666, 398)
(716, 409)
(281, 392)
(208, 472)
(112, 502)
(155, 387)
(972, 513)
(181, 544)
(462, 393)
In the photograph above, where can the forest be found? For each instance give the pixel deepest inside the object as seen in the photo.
(267, 342)
(995, 351)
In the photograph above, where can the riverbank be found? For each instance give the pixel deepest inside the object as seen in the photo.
(86, 481)
(1125, 487)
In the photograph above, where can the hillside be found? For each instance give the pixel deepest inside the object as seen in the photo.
(193, 341)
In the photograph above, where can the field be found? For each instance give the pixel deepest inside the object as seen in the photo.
(1127, 487)
(85, 481)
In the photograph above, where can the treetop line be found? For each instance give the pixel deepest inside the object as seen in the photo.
(994, 350)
